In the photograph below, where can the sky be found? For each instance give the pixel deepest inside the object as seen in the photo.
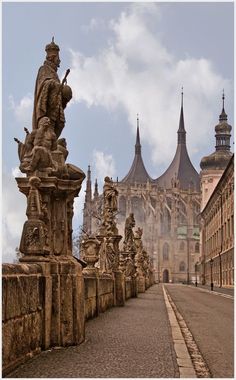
(125, 59)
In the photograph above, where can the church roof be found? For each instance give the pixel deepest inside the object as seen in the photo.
(181, 171)
(138, 172)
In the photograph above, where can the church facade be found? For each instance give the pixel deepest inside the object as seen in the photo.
(166, 208)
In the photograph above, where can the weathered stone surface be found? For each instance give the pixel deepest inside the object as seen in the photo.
(20, 337)
(89, 287)
(128, 288)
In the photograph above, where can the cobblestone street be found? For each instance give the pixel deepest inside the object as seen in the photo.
(131, 341)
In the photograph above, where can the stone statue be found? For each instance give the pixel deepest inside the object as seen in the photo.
(129, 235)
(43, 141)
(51, 96)
(110, 194)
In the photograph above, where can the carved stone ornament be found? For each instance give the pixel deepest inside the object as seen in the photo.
(34, 236)
(91, 247)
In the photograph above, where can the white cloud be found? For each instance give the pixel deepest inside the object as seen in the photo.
(23, 109)
(104, 165)
(136, 71)
(78, 208)
(92, 25)
(13, 209)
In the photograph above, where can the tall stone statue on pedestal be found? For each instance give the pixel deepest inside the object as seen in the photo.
(43, 156)
(50, 186)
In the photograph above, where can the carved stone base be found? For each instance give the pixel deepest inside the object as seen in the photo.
(141, 284)
(56, 205)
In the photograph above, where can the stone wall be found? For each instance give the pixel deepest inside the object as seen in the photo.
(46, 305)
(22, 313)
(99, 294)
(43, 307)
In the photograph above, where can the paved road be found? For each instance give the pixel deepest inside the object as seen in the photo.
(210, 319)
(132, 341)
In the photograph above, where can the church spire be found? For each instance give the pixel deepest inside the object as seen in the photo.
(88, 191)
(137, 172)
(181, 131)
(223, 116)
(137, 145)
(95, 194)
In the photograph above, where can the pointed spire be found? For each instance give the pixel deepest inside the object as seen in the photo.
(181, 131)
(95, 194)
(137, 145)
(223, 115)
(88, 191)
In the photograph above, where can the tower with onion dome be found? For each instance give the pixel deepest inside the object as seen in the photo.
(213, 166)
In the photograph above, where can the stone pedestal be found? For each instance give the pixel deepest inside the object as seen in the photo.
(120, 288)
(141, 284)
(47, 240)
(54, 227)
(67, 314)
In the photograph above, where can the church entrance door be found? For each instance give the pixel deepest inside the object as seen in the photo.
(166, 276)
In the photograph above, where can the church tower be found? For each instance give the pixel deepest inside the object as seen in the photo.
(181, 171)
(213, 165)
(137, 172)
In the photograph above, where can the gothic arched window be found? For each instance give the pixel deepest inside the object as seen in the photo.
(182, 266)
(197, 247)
(122, 206)
(165, 252)
(181, 246)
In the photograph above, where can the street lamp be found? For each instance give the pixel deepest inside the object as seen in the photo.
(211, 264)
(196, 273)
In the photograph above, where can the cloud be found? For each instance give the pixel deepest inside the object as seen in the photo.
(92, 25)
(137, 72)
(23, 109)
(78, 208)
(104, 165)
(13, 209)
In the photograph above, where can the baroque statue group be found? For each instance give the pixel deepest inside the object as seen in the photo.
(51, 184)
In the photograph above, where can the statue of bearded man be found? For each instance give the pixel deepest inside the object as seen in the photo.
(51, 96)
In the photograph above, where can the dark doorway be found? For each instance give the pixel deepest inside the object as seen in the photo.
(166, 276)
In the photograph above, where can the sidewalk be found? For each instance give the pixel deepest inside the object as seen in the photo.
(229, 291)
(131, 341)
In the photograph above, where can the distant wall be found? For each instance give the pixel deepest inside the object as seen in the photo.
(99, 294)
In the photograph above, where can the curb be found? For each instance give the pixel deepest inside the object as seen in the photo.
(186, 369)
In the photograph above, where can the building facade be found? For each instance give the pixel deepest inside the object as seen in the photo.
(166, 208)
(218, 232)
(217, 209)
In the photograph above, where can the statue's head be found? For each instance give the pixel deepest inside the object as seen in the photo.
(52, 51)
(44, 122)
(107, 179)
(62, 142)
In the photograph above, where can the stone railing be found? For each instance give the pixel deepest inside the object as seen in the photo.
(46, 305)
(43, 307)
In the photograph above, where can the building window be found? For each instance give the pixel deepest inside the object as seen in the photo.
(197, 247)
(181, 246)
(122, 206)
(165, 252)
(182, 266)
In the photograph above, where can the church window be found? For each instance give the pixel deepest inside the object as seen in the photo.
(181, 246)
(182, 266)
(122, 206)
(197, 248)
(165, 252)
